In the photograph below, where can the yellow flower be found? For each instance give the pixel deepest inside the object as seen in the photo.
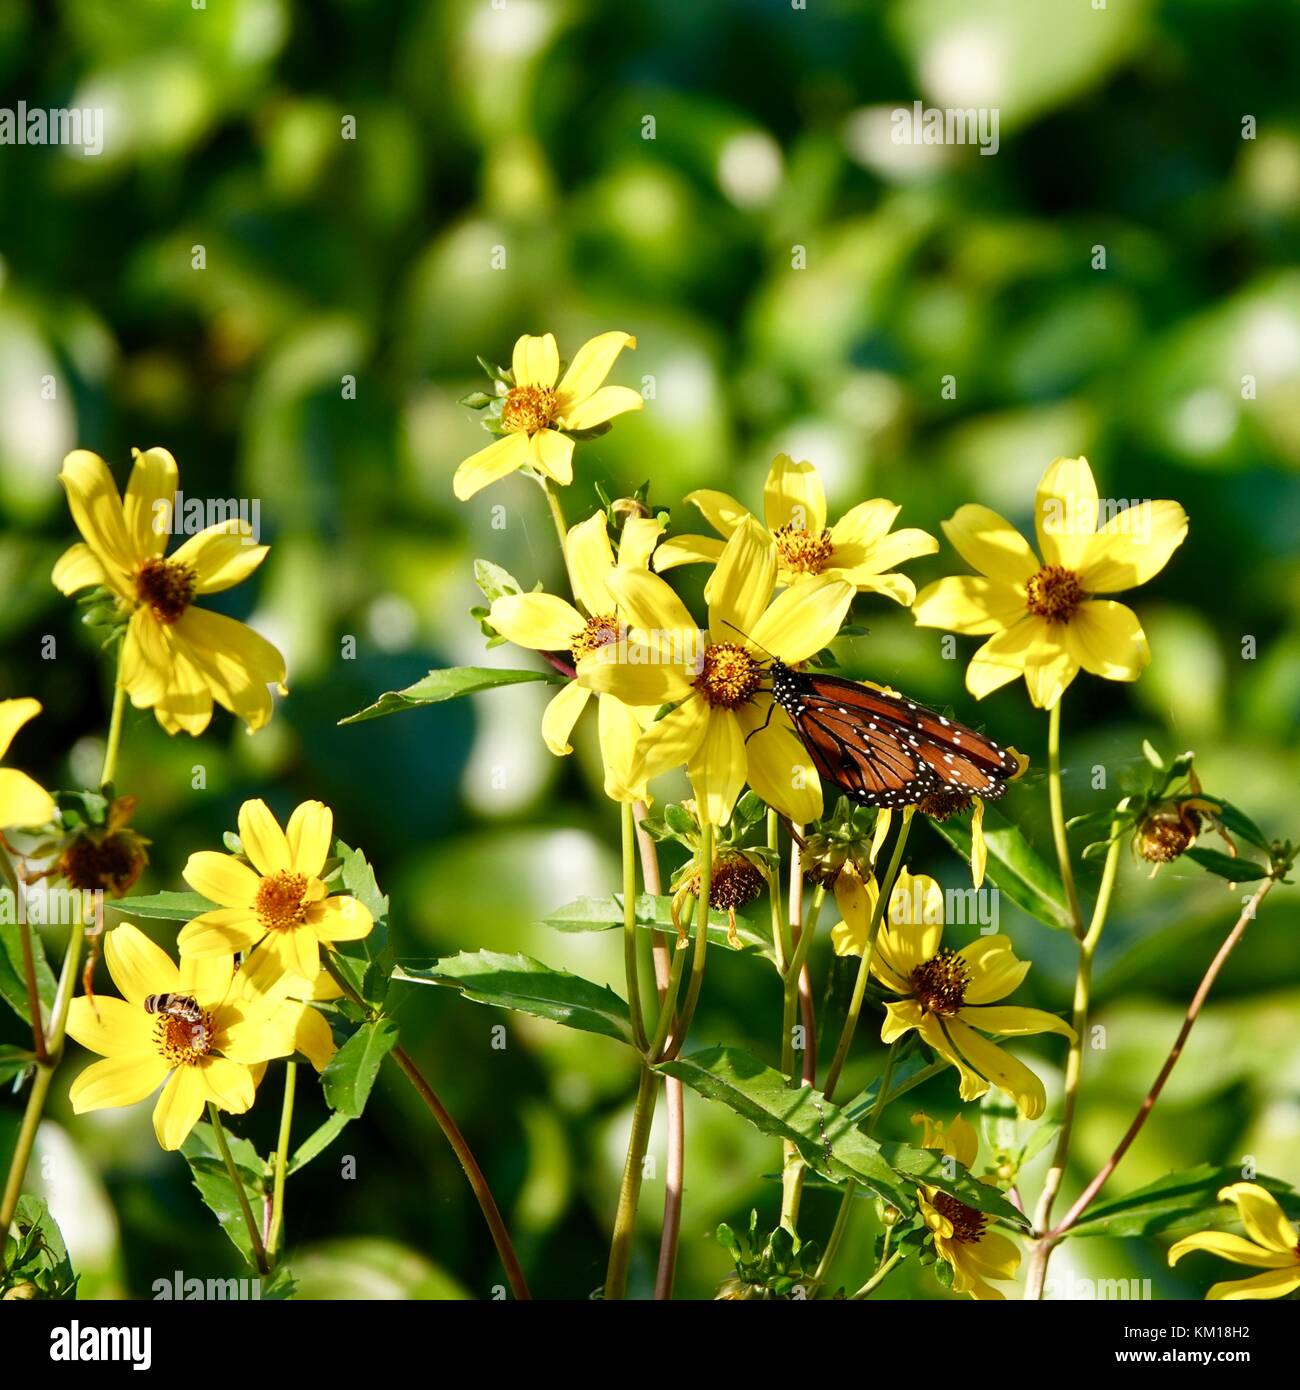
(860, 546)
(176, 658)
(22, 801)
(947, 994)
(1273, 1246)
(277, 910)
(1039, 616)
(308, 1029)
(961, 1234)
(540, 416)
(545, 623)
(714, 679)
(212, 1057)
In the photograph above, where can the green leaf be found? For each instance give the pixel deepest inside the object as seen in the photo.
(494, 581)
(166, 906)
(1178, 1199)
(446, 685)
(1239, 823)
(1015, 867)
(1226, 865)
(316, 1143)
(600, 914)
(929, 1166)
(39, 1255)
(351, 1072)
(218, 1192)
(13, 976)
(14, 1061)
(519, 982)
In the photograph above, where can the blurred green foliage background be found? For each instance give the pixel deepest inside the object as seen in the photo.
(523, 126)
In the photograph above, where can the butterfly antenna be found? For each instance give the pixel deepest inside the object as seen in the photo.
(748, 638)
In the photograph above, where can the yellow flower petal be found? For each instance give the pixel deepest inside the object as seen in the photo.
(138, 967)
(740, 588)
(218, 934)
(591, 557)
(1260, 1214)
(13, 715)
(991, 545)
(979, 850)
(221, 556)
(720, 510)
(111, 1027)
(885, 553)
(179, 1107)
(717, 769)
(856, 899)
(310, 833)
(619, 731)
(97, 510)
(1232, 1247)
(794, 496)
(672, 741)
(1132, 547)
(780, 770)
(971, 1085)
(148, 505)
(551, 453)
(236, 663)
(185, 705)
(540, 622)
(1065, 513)
(649, 606)
(313, 1038)
(591, 365)
(293, 952)
(561, 714)
(862, 526)
(995, 971)
(501, 457)
(916, 915)
(80, 568)
(1013, 1020)
(901, 1016)
(600, 406)
(23, 802)
(962, 1143)
(1106, 638)
(536, 361)
(222, 878)
(119, 1080)
(637, 541)
(1006, 1072)
(1277, 1283)
(632, 673)
(208, 978)
(688, 550)
(1003, 657)
(342, 918)
(262, 839)
(229, 1084)
(803, 619)
(969, 604)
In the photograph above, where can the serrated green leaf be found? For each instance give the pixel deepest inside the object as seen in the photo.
(519, 982)
(213, 1181)
(167, 906)
(1227, 866)
(13, 975)
(1188, 1199)
(601, 914)
(1015, 867)
(317, 1142)
(449, 684)
(348, 1078)
(494, 581)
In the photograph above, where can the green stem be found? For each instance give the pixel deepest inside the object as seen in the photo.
(630, 963)
(1059, 837)
(561, 528)
(629, 1193)
(701, 940)
(254, 1235)
(282, 1159)
(793, 1168)
(878, 1276)
(451, 1132)
(1036, 1277)
(10, 876)
(850, 1028)
(114, 740)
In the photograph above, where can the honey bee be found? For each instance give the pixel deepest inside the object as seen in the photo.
(181, 1006)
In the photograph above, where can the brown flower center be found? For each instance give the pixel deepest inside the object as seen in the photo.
(967, 1223)
(1165, 835)
(165, 588)
(729, 676)
(282, 901)
(528, 409)
(944, 804)
(182, 1041)
(940, 984)
(111, 863)
(736, 882)
(601, 631)
(804, 552)
(1054, 593)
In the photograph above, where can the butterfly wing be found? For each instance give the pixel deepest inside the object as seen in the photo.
(886, 750)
